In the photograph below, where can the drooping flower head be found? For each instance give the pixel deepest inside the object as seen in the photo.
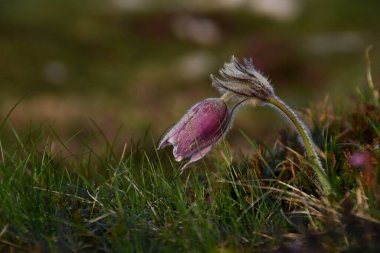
(198, 131)
(207, 121)
(243, 80)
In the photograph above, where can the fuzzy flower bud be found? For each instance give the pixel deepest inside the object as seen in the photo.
(243, 80)
(198, 131)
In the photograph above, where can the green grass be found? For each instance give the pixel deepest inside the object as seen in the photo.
(133, 199)
(130, 203)
(60, 194)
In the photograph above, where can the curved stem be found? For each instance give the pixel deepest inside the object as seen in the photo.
(307, 141)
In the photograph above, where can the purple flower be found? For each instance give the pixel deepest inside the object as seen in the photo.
(362, 160)
(198, 130)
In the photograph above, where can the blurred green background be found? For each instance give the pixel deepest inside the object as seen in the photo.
(139, 64)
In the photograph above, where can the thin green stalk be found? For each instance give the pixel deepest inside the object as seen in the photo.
(307, 141)
(375, 92)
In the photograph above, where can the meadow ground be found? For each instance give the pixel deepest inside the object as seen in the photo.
(133, 199)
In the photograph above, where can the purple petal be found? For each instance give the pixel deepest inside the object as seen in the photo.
(205, 127)
(196, 156)
(198, 130)
(171, 136)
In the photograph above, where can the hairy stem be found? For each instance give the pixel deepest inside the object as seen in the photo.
(307, 141)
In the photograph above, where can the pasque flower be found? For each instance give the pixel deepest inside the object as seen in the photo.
(208, 121)
(199, 130)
